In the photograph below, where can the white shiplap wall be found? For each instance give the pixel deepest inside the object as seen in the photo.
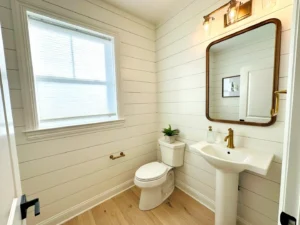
(180, 45)
(71, 173)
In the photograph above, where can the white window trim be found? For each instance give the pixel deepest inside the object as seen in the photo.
(27, 78)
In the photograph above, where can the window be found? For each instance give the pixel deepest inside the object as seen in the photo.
(73, 71)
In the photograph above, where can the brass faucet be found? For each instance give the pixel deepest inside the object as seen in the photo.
(229, 137)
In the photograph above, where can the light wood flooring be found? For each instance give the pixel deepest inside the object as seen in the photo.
(123, 209)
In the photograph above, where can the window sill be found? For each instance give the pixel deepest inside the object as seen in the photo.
(59, 132)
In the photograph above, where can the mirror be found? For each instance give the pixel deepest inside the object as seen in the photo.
(242, 72)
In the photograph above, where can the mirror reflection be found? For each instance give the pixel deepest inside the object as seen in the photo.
(241, 76)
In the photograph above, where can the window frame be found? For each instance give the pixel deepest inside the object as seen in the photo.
(32, 131)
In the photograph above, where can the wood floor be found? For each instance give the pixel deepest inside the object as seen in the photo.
(178, 209)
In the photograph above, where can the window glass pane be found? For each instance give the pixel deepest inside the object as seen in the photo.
(50, 49)
(74, 74)
(89, 58)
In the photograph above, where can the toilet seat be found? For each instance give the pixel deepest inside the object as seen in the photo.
(151, 172)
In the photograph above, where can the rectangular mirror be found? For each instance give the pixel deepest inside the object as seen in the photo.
(242, 72)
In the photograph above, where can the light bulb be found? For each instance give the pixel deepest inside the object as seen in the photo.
(206, 25)
(233, 11)
(232, 14)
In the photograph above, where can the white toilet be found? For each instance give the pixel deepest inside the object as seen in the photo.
(156, 179)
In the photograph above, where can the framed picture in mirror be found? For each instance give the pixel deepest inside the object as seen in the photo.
(231, 86)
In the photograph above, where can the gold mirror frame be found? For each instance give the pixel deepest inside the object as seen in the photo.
(277, 23)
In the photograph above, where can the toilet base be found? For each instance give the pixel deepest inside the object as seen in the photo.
(153, 197)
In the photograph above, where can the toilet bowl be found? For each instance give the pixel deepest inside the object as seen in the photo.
(157, 179)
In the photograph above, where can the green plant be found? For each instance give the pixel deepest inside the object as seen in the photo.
(169, 132)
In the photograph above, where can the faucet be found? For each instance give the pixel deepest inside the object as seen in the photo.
(229, 137)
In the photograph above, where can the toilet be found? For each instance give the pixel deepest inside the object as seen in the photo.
(156, 179)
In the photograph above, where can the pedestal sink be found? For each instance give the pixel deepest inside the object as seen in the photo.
(229, 163)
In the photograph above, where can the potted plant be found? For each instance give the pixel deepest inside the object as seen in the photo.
(170, 135)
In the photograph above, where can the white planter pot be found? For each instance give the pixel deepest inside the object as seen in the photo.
(170, 139)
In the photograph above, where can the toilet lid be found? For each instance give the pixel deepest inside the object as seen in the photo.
(151, 171)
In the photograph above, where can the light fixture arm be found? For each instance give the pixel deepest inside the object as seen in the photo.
(221, 7)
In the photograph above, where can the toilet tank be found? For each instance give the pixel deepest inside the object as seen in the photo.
(172, 154)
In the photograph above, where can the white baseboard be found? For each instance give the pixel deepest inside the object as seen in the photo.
(207, 202)
(87, 205)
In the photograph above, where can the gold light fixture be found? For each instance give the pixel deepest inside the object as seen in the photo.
(206, 23)
(237, 11)
(233, 11)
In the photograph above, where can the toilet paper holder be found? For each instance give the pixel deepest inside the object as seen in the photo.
(112, 157)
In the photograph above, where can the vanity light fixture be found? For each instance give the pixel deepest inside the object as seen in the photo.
(237, 11)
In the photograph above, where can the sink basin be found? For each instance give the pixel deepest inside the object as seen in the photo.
(233, 160)
(229, 163)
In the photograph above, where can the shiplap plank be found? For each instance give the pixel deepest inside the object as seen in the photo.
(8, 39)
(136, 52)
(134, 120)
(254, 217)
(16, 99)
(6, 18)
(140, 87)
(11, 59)
(5, 3)
(189, 108)
(198, 174)
(201, 187)
(260, 186)
(18, 117)
(188, 82)
(198, 162)
(13, 79)
(190, 95)
(137, 64)
(139, 98)
(265, 206)
(136, 75)
(136, 109)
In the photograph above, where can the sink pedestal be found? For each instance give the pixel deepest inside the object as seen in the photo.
(226, 198)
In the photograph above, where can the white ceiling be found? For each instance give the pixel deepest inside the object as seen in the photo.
(153, 11)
